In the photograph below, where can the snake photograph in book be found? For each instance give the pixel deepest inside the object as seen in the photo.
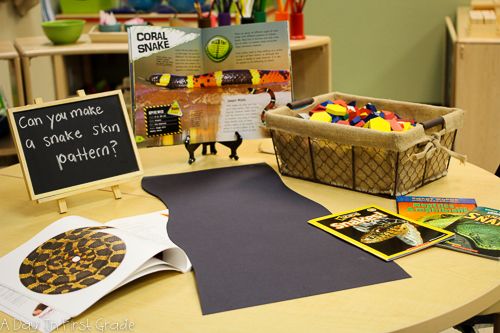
(201, 98)
(220, 78)
(380, 230)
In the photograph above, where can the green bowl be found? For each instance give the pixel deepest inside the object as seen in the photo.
(63, 31)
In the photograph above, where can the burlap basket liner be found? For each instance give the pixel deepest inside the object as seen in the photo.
(385, 163)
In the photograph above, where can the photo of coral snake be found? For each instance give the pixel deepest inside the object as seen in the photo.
(220, 78)
(224, 78)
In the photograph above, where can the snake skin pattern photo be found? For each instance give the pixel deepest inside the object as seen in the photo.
(72, 261)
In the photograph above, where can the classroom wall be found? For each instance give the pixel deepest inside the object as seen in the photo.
(14, 26)
(385, 48)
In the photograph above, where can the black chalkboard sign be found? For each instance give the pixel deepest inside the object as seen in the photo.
(74, 143)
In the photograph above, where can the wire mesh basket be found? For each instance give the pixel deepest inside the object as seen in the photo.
(365, 160)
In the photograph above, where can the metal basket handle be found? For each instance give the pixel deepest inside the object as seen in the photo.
(300, 103)
(432, 123)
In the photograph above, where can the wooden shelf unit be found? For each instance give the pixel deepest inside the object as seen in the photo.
(473, 85)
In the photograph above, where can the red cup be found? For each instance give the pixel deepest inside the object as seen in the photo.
(297, 26)
(281, 16)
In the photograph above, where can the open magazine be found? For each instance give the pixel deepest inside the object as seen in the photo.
(208, 83)
(74, 262)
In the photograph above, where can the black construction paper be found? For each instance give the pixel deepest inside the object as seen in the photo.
(248, 239)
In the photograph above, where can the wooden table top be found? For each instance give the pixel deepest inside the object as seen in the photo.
(446, 287)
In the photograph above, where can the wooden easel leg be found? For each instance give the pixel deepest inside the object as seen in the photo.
(63, 208)
(116, 191)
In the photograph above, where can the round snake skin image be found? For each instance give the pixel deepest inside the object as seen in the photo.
(72, 261)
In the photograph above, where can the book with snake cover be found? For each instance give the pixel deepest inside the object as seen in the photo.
(380, 232)
(206, 85)
(74, 262)
(436, 211)
(477, 232)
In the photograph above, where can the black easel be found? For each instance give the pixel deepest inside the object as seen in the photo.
(233, 145)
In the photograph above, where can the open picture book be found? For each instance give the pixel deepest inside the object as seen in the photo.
(207, 84)
(74, 262)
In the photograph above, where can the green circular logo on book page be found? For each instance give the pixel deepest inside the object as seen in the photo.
(218, 48)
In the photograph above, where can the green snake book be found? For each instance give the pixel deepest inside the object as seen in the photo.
(477, 233)
(205, 85)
